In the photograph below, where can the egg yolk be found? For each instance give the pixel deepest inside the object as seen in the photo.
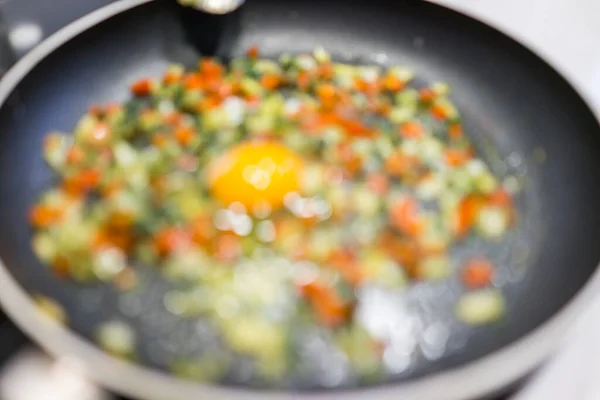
(255, 174)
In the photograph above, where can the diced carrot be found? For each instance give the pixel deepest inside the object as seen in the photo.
(159, 140)
(227, 247)
(427, 95)
(184, 135)
(270, 81)
(194, 82)
(252, 101)
(120, 221)
(383, 107)
(439, 112)
(456, 157)
(411, 130)
(203, 230)
(360, 84)
(328, 118)
(303, 80)
(400, 165)
(208, 102)
(61, 267)
(467, 214)
(105, 237)
(75, 155)
(82, 182)
(96, 110)
(210, 69)
(478, 273)
(378, 183)
(325, 71)
(171, 77)
(500, 197)
(369, 88)
(356, 127)
(173, 118)
(253, 52)
(42, 216)
(330, 308)
(345, 262)
(455, 131)
(327, 94)
(392, 83)
(112, 109)
(225, 90)
(402, 249)
(112, 188)
(142, 87)
(351, 162)
(405, 216)
(170, 239)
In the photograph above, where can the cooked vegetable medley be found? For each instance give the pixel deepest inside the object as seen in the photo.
(274, 190)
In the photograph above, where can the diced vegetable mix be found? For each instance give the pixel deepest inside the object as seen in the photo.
(276, 188)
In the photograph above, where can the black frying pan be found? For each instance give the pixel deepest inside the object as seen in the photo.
(508, 97)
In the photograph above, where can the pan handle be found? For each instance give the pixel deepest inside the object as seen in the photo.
(213, 6)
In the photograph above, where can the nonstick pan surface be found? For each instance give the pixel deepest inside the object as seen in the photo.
(539, 129)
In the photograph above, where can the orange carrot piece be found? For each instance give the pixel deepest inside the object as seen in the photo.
(439, 112)
(500, 197)
(270, 81)
(478, 273)
(253, 52)
(170, 239)
(142, 87)
(399, 164)
(184, 135)
(325, 71)
(345, 262)
(411, 130)
(327, 95)
(378, 183)
(75, 155)
(303, 80)
(467, 214)
(405, 216)
(427, 95)
(456, 157)
(330, 308)
(210, 69)
(42, 216)
(393, 83)
(455, 131)
(194, 82)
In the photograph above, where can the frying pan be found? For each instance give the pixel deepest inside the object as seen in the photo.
(508, 97)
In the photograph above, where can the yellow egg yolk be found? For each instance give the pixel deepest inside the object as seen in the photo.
(256, 174)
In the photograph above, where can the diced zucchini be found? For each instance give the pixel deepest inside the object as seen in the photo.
(431, 187)
(402, 73)
(365, 202)
(492, 222)
(117, 338)
(321, 55)
(481, 307)
(44, 247)
(408, 98)
(434, 267)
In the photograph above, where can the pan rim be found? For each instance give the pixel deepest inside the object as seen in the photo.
(467, 381)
